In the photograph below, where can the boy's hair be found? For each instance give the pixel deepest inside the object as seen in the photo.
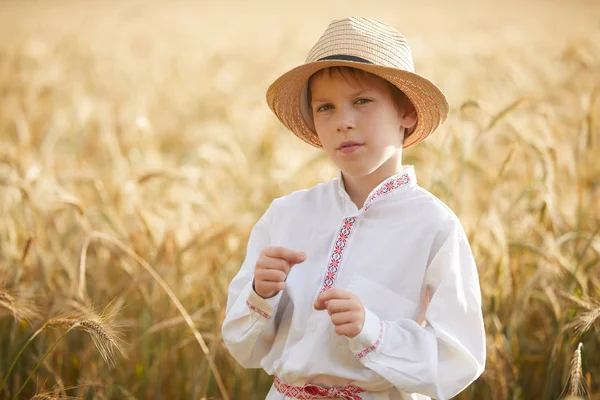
(354, 75)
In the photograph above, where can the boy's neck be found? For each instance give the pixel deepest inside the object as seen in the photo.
(359, 187)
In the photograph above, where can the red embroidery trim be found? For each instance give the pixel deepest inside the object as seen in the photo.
(308, 391)
(335, 259)
(375, 345)
(258, 310)
(387, 187)
(338, 251)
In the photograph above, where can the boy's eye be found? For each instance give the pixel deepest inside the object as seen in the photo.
(363, 101)
(324, 107)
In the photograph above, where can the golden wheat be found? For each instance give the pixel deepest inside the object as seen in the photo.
(21, 308)
(586, 319)
(576, 379)
(43, 396)
(50, 396)
(136, 153)
(103, 330)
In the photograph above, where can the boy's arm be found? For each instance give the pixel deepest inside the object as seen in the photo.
(448, 354)
(249, 326)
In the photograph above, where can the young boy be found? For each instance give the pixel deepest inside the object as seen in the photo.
(363, 287)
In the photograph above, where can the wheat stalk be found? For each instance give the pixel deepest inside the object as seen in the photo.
(7, 302)
(585, 302)
(576, 381)
(102, 329)
(19, 307)
(58, 392)
(165, 287)
(104, 341)
(12, 366)
(50, 396)
(41, 360)
(43, 396)
(585, 321)
(582, 323)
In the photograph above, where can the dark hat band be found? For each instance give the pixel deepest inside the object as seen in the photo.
(343, 57)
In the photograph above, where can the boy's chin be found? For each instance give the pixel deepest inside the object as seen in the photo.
(364, 168)
(356, 171)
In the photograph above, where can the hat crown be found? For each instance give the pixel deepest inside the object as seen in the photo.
(365, 38)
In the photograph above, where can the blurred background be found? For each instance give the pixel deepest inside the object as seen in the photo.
(137, 151)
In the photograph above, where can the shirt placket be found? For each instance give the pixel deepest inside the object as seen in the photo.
(349, 226)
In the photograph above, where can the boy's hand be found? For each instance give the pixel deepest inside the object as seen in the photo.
(272, 269)
(345, 309)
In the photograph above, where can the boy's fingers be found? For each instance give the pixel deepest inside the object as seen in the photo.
(329, 295)
(270, 286)
(319, 305)
(276, 264)
(335, 306)
(343, 318)
(271, 275)
(349, 330)
(291, 256)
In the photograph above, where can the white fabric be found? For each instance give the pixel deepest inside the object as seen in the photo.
(406, 240)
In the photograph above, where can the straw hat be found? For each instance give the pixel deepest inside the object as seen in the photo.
(368, 45)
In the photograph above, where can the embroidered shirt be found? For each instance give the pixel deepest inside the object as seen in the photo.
(402, 241)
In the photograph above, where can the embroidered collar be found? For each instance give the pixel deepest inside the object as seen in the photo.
(406, 177)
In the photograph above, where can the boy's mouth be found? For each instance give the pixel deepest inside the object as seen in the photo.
(349, 146)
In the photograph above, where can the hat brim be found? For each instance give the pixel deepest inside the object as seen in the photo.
(287, 98)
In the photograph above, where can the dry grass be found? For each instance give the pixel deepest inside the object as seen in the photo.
(137, 151)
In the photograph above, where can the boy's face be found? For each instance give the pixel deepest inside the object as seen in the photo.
(359, 124)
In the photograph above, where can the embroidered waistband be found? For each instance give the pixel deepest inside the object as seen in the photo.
(308, 391)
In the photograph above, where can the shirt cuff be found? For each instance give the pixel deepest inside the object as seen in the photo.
(263, 307)
(369, 339)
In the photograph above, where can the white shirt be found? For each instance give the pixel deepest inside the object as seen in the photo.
(403, 240)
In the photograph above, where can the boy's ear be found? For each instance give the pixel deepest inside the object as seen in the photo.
(408, 115)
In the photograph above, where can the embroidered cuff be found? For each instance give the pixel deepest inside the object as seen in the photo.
(369, 339)
(263, 307)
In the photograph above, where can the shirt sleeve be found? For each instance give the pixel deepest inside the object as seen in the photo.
(446, 355)
(249, 327)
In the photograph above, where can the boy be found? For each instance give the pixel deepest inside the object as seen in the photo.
(363, 287)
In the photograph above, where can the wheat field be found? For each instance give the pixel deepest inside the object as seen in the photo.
(137, 151)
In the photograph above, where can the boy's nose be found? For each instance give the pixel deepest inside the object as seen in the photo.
(345, 127)
(346, 122)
